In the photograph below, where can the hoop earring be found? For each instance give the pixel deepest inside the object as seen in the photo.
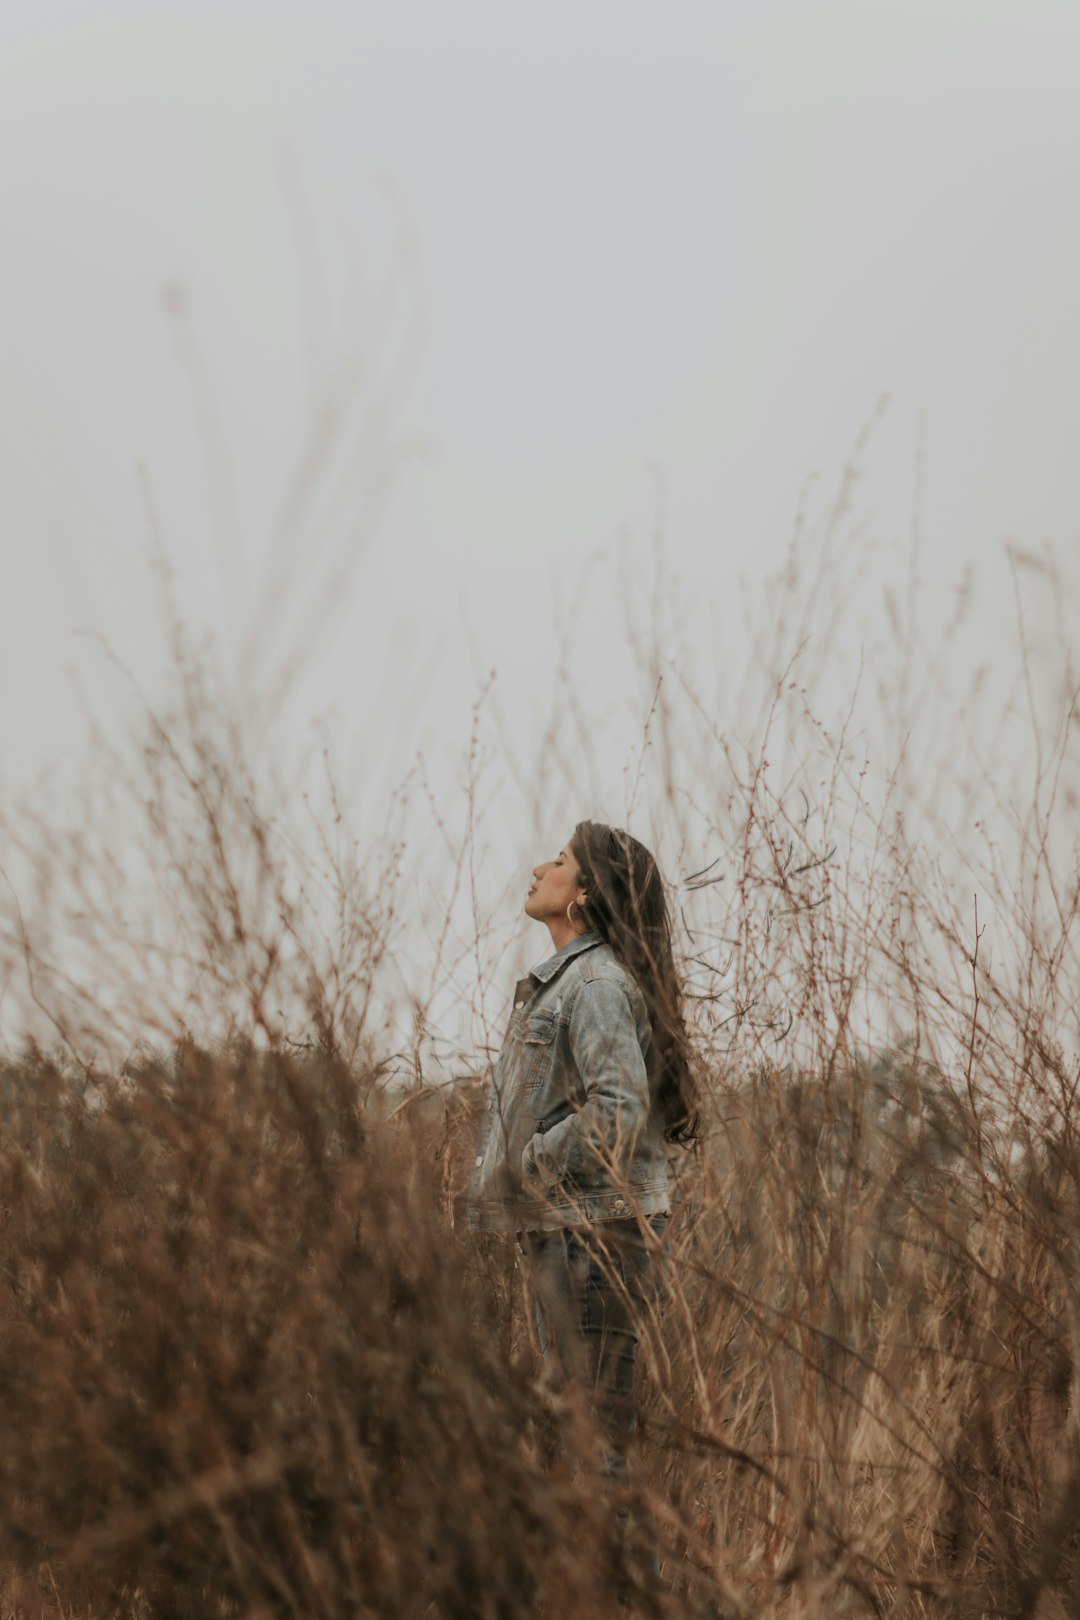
(570, 919)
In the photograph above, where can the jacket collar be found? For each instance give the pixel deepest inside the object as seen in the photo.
(584, 942)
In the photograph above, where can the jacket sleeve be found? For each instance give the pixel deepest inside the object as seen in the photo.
(605, 1047)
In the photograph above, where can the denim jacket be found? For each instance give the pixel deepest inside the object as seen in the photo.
(569, 1136)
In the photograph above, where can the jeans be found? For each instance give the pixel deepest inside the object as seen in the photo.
(593, 1286)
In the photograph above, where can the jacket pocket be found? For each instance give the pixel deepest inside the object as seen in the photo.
(555, 1116)
(569, 1168)
(538, 1049)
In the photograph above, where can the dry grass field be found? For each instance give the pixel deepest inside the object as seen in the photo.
(253, 1364)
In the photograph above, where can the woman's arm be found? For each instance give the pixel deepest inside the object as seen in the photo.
(605, 1047)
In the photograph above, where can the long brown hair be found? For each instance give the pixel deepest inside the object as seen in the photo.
(626, 904)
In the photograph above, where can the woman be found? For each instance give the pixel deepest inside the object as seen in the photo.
(592, 1080)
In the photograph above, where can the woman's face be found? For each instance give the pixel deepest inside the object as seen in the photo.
(555, 883)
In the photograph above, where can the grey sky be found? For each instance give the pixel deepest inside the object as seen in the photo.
(704, 237)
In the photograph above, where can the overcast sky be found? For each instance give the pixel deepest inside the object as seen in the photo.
(574, 255)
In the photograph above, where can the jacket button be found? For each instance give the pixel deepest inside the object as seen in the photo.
(479, 1160)
(620, 1203)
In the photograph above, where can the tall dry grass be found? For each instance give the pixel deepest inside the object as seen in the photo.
(252, 1361)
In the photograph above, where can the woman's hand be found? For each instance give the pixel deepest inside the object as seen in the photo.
(530, 1173)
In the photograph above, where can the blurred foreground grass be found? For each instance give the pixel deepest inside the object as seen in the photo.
(251, 1364)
